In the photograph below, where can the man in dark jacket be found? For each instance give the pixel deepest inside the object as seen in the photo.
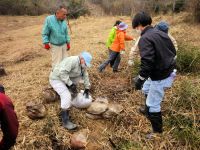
(157, 67)
(8, 121)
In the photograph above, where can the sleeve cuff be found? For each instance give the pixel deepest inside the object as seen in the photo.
(141, 78)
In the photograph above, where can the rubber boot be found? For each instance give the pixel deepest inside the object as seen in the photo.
(66, 121)
(156, 122)
(144, 109)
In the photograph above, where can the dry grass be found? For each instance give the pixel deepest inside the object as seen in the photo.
(28, 65)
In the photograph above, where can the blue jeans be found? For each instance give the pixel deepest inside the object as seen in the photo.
(155, 91)
(114, 59)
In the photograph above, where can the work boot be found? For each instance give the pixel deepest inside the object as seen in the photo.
(156, 121)
(66, 121)
(144, 109)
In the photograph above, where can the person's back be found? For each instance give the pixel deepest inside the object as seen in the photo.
(9, 122)
(163, 53)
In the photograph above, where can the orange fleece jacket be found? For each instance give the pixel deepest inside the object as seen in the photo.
(119, 42)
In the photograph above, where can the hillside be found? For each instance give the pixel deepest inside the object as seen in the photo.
(28, 66)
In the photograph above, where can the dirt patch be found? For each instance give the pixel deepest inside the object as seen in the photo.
(110, 85)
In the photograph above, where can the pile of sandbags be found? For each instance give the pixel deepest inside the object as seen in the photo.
(102, 109)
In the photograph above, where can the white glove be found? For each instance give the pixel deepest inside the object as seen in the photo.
(122, 52)
(130, 62)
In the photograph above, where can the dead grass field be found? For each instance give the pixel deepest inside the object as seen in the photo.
(28, 65)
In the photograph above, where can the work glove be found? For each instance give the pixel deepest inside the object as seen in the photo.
(47, 46)
(86, 93)
(68, 46)
(138, 82)
(130, 62)
(122, 52)
(73, 90)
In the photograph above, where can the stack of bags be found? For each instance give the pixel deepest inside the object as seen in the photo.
(102, 109)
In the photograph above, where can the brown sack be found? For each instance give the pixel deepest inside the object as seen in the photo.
(50, 95)
(79, 139)
(35, 111)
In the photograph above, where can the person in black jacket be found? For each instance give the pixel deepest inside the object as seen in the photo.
(157, 70)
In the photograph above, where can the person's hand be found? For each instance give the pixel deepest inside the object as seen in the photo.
(68, 46)
(86, 93)
(73, 89)
(138, 82)
(47, 46)
(122, 52)
(130, 62)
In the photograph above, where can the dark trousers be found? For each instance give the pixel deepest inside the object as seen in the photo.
(114, 60)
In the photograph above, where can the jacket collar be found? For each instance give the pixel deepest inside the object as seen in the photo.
(146, 29)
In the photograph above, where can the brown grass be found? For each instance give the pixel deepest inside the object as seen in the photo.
(26, 80)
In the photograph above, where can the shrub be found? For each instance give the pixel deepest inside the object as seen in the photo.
(183, 117)
(188, 59)
(187, 96)
(179, 5)
(77, 8)
(184, 131)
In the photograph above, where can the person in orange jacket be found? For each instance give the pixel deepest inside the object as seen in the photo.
(117, 48)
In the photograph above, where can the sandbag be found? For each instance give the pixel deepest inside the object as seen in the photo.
(35, 111)
(97, 108)
(113, 110)
(79, 139)
(94, 117)
(50, 95)
(80, 101)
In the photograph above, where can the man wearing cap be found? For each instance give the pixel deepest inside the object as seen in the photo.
(8, 121)
(117, 47)
(55, 35)
(64, 78)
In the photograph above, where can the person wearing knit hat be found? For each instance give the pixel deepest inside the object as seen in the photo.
(117, 48)
(111, 38)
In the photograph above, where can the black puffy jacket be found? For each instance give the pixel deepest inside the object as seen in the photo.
(157, 54)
